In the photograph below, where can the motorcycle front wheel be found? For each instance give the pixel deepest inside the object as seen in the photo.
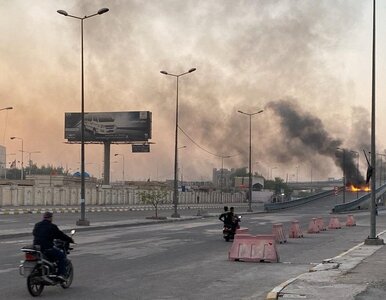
(69, 275)
(35, 287)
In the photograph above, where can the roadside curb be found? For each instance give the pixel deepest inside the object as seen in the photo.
(121, 208)
(106, 226)
(337, 266)
(117, 224)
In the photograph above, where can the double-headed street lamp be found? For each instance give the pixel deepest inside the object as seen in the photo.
(82, 220)
(250, 155)
(175, 194)
(22, 155)
(123, 166)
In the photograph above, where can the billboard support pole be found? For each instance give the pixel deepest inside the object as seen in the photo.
(106, 166)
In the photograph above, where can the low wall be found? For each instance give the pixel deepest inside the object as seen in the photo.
(66, 196)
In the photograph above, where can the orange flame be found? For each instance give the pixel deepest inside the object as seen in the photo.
(353, 188)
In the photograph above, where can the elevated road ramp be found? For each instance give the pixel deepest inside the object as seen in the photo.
(360, 203)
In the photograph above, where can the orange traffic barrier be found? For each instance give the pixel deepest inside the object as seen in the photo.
(313, 226)
(278, 232)
(334, 223)
(320, 223)
(295, 231)
(254, 248)
(350, 221)
(242, 230)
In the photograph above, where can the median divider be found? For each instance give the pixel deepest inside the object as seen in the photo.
(320, 223)
(334, 223)
(313, 226)
(295, 231)
(253, 248)
(242, 230)
(278, 232)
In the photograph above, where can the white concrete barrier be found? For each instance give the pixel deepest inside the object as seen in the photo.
(13, 195)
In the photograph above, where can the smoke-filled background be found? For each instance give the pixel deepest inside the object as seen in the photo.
(306, 63)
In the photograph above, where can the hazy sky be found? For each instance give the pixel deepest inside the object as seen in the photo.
(313, 56)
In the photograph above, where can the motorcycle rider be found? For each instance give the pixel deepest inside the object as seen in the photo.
(44, 233)
(233, 219)
(224, 215)
(228, 217)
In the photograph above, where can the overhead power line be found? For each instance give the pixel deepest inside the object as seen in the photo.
(202, 148)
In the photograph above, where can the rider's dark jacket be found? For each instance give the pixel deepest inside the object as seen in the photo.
(45, 232)
(227, 218)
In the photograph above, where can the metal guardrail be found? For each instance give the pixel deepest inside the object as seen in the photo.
(287, 204)
(360, 202)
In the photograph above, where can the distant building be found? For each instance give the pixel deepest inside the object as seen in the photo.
(243, 183)
(222, 178)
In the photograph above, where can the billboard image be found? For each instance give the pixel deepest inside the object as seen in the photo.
(126, 126)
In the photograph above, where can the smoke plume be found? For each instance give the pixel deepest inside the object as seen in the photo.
(308, 132)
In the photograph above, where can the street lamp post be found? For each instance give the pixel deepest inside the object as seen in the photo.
(123, 166)
(175, 194)
(30, 161)
(357, 156)
(22, 156)
(5, 166)
(272, 172)
(82, 221)
(181, 169)
(250, 155)
(344, 173)
(372, 239)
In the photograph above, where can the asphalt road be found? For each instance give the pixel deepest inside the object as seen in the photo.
(185, 260)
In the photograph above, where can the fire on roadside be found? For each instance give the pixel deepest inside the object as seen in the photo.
(362, 188)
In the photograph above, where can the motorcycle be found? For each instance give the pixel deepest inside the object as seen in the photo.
(229, 230)
(41, 272)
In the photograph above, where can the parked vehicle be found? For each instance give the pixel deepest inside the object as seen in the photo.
(40, 271)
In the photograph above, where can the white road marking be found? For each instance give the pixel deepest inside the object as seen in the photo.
(8, 270)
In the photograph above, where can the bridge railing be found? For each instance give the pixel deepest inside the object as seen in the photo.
(359, 203)
(292, 203)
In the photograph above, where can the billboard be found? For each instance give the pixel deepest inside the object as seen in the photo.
(125, 126)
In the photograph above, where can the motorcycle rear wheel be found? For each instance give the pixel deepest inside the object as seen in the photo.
(35, 288)
(69, 275)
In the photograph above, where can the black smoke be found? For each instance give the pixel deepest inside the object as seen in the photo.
(308, 132)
